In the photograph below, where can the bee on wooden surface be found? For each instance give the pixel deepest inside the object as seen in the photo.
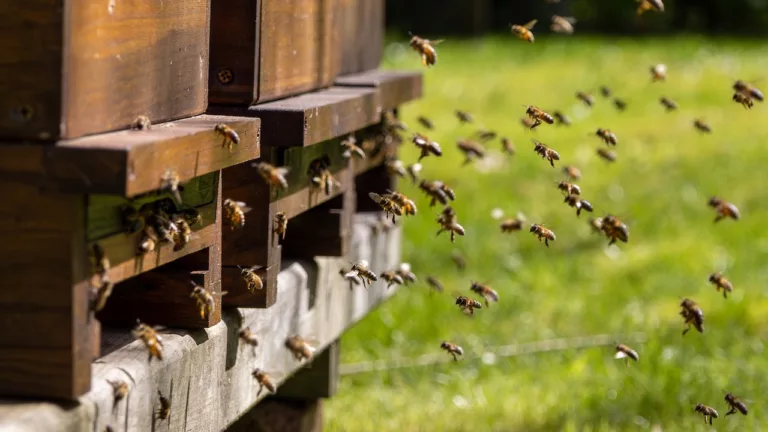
(387, 205)
(425, 122)
(248, 337)
(724, 209)
(744, 100)
(596, 224)
(708, 412)
(407, 205)
(448, 222)
(546, 152)
(614, 229)
(169, 182)
(414, 171)
(524, 31)
(702, 126)
(586, 98)
(471, 150)
(646, 5)
(467, 305)
(361, 270)
(152, 341)
(320, 175)
(264, 381)
(165, 407)
(569, 188)
(693, 315)
(721, 283)
(183, 235)
(543, 233)
(280, 224)
(351, 148)
(735, 404)
(487, 293)
(668, 103)
(606, 91)
(234, 213)
(452, 349)
(435, 284)
(204, 300)
(507, 146)
(486, 135)
(253, 281)
(748, 90)
(561, 118)
(658, 72)
(620, 104)
(350, 277)
(572, 172)
(434, 189)
(425, 48)
(537, 115)
(274, 176)
(141, 123)
(395, 167)
(102, 291)
(562, 25)
(529, 123)
(625, 352)
(427, 146)
(607, 155)
(513, 224)
(392, 278)
(230, 136)
(119, 391)
(464, 117)
(300, 348)
(404, 271)
(607, 136)
(459, 260)
(578, 203)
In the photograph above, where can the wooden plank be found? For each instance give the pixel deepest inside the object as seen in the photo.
(395, 87)
(311, 118)
(319, 381)
(280, 415)
(362, 35)
(156, 50)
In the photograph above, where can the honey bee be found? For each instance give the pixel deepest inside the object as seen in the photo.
(513, 224)
(578, 203)
(362, 271)
(264, 381)
(351, 277)
(253, 281)
(529, 123)
(435, 284)
(735, 405)
(165, 407)
(300, 349)
(569, 188)
(448, 222)
(204, 300)
(274, 176)
(438, 191)
(407, 205)
(668, 103)
(543, 233)
(230, 136)
(183, 235)
(148, 241)
(392, 278)
(507, 146)
(425, 122)
(614, 229)
(388, 205)
(249, 337)
(524, 31)
(693, 315)
(452, 349)
(425, 48)
(413, 171)
(646, 5)
(104, 288)
(572, 172)
(486, 135)
(658, 72)
(625, 352)
(586, 98)
(537, 115)
(487, 293)
(320, 175)
(561, 118)
(392, 122)
(467, 305)
(708, 412)
(701, 126)
(607, 155)
(744, 100)
(119, 391)
(748, 90)
(280, 224)
(721, 283)
(395, 167)
(404, 271)
(607, 136)
(546, 152)
(141, 123)
(170, 183)
(563, 25)
(724, 209)
(427, 146)
(605, 91)
(471, 150)
(351, 148)
(464, 117)
(619, 104)
(596, 224)
(152, 341)
(234, 213)
(459, 260)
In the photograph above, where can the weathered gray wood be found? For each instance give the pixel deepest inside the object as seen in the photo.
(319, 381)
(207, 373)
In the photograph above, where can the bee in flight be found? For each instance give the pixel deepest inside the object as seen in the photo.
(511, 224)
(203, 299)
(668, 103)
(487, 293)
(563, 25)
(606, 92)
(452, 349)
(426, 122)
(395, 167)
(230, 136)
(459, 260)
(543, 233)
(253, 281)
(169, 182)
(280, 224)
(606, 155)
(545, 152)
(435, 284)
(274, 176)
(625, 352)
(586, 98)
(569, 188)
(484, 135)
(572, 172)
(248, 337)
(425, 48)
(614, 229)
(152, 341)
(748, 90)
(702, 126)
(561, 118)
(744, 100)
(300, 348)
(507, 146)
(362, 271)
(464, 117)
(471, 150)
(165, 407)
(721, 283)
(392, 278)
(449, 222)
(537, 115)
(693, 315)
(578, 203)
(724, 209)
(708, 412)
(404, 271)
(528, 123)
(658, 72)
(467, 305)
(413, 171)
(524, 31)
(596, 224)
(264, 381)
(646, 5)
(620, 104)
(735, 404)
(607, 136)
(351, 148)
(234, 213)
(426, 146)
(438, 191)
(389, 206)
(103, 289)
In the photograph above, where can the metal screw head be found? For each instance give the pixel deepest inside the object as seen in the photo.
(225, 76)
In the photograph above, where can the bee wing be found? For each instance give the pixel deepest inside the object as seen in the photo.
(529, 25)
(350, 274)
(571, 20)
(374, 196)
(620, 355)
(283, 170)
(363, 263)
(436, 42)
(405, 267)
(497, 213)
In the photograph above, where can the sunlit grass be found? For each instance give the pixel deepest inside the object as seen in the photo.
(664, 175)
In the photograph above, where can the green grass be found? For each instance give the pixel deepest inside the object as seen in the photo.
(660, 184)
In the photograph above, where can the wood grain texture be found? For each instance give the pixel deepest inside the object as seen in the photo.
(157, 51)
(395, 87)
(319, 381)
(362, 34)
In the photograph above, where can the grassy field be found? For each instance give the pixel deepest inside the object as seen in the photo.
(665, 173)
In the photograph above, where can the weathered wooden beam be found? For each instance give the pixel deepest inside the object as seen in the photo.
(362, 35)
(395, 87)
(319, 380)
(280, 415)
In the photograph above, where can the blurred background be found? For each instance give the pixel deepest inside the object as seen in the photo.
(542, 358)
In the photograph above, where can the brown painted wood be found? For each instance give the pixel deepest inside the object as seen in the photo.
(58, 81)
(319, 380)
(395, 87)
(362, 35)
(321, 231)
(311, 118)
